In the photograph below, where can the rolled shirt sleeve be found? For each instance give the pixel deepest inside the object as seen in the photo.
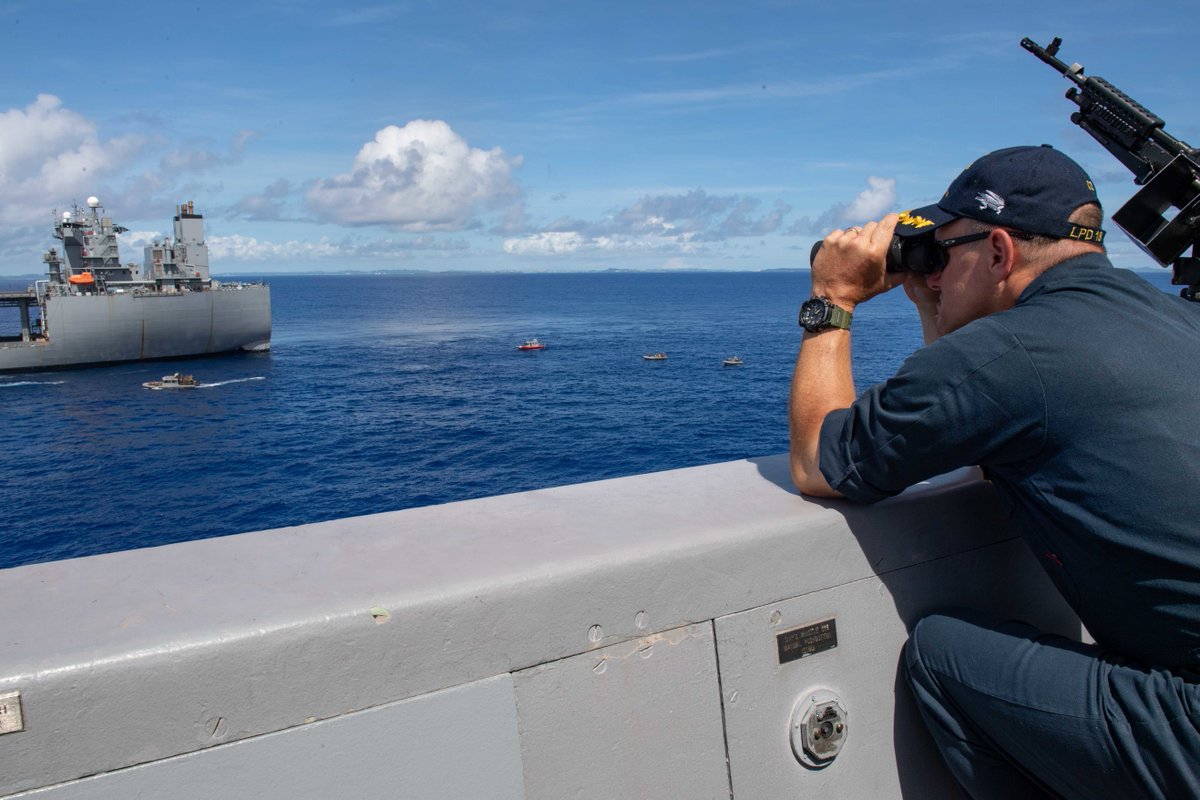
(972, 397)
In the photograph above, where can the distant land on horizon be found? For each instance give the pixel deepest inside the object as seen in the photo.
(615, 270)
(405, 272)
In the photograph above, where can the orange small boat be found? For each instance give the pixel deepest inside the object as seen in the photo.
(531, 344)
(82, 278)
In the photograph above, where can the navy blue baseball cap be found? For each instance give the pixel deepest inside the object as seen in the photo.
(1031, 189)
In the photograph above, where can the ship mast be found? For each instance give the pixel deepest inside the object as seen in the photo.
(89, 248)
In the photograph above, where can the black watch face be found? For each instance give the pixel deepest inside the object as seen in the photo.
(814, 314)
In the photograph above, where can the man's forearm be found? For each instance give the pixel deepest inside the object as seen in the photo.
(848, 270)
(822, 382)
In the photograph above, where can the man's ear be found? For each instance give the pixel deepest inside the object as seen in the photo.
(1003, 254)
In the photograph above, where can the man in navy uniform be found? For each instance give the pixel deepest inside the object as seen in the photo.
(1074, 386)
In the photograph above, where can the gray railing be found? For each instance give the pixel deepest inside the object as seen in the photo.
(658, 636)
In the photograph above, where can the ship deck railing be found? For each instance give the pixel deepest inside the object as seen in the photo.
(18, 298)
(656, 636)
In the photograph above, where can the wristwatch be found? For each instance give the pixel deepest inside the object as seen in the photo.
(817, 314)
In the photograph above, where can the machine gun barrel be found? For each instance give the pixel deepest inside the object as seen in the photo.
(1126, 128)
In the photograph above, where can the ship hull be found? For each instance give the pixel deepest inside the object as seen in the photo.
(85, 330)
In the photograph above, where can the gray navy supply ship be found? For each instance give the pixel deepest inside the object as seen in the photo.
(92, 309)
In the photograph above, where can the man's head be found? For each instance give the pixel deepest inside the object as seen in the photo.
(1006, 218)
(1030, 189)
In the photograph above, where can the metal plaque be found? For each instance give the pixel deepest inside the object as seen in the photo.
(807, 641)
(11, 720)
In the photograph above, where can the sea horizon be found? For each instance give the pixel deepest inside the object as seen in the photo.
(243, 273)
(393, 391)
(416, 271)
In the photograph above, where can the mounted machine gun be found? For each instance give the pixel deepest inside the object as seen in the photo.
(1163, 217)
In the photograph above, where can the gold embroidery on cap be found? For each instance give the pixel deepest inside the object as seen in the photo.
(914, 221)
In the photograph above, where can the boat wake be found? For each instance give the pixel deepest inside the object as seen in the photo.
(30, 383)
(235, 380)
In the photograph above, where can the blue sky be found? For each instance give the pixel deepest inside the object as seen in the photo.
(543, 136)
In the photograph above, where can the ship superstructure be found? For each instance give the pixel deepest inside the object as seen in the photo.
(92, 309)
(185, 262)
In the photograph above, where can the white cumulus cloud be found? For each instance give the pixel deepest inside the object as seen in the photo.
(131, 241)
(249, 248)
(545, 244)
(672, 224)
(873, 202)
(419, 177)
(49, 154)
(556, 243)
(239, 248)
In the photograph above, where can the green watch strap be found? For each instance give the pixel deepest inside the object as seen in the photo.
(839, 317)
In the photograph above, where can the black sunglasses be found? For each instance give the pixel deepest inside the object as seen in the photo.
(946, 244)
(941, 257)
(923, 254)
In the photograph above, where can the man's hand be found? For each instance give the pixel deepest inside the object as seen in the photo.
(926, 301)
(850, 266)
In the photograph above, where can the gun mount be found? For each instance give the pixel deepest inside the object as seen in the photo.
(1163, 217)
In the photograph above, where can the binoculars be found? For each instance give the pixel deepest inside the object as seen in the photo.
(920, 254)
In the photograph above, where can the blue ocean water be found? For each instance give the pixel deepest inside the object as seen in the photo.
(384, 392)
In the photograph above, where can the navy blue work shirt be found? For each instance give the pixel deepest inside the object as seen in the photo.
(1082, 404)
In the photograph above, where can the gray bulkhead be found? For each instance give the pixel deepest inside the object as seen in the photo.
(623, 638)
